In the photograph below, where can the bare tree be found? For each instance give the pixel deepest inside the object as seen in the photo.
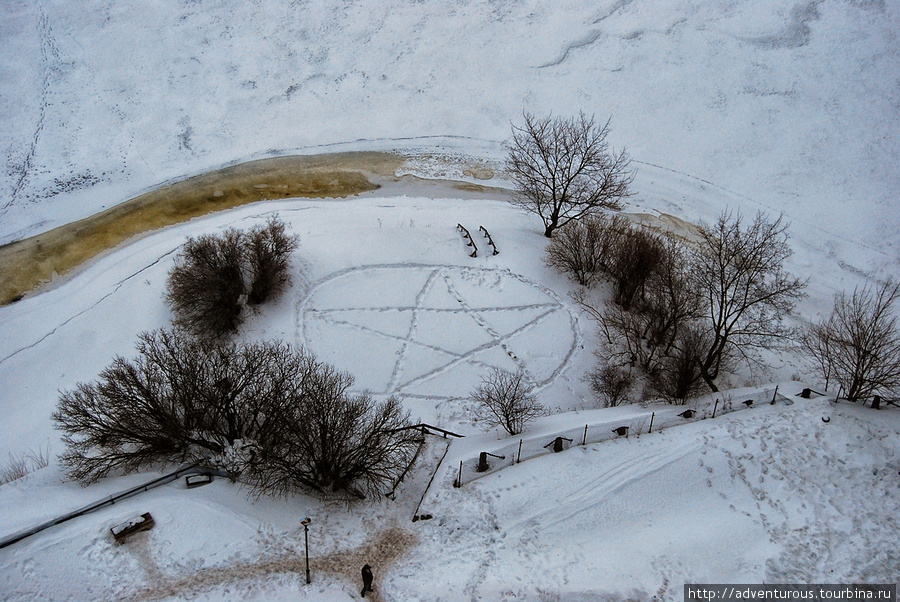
(859, 343)
(564, 169)
(504, 399)
(746, 291)
(610, 384)
(180, 399)
(672, 300)
(206, 285)
(268, 249)
(272, 416)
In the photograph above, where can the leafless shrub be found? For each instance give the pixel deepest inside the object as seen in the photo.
(611, 384)
(214, 274)
(206, 285)
(676, 376)
(671, 300)
(579, 249)
(336, 443)
(268, 249)
(740, 274)
(21, 465)
(505, 400)
(859, 344)
(636, 254)
(265, 412)
(564, 169)
(646, 332)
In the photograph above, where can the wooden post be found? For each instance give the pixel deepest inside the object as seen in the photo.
(775, 394)
(459, 479)
(714, 408)
(652, 416)
(483, 465)
(519, 455)
(584, 439)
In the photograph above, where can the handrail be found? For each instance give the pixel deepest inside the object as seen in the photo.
(108, 501)
(423, 427)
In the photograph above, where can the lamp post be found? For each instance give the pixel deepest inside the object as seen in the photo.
(305, 522)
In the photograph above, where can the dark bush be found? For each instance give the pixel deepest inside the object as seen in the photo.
(611, 384)
(206, 285)
(268, 414)
(268, 250)
(636, 255)
(215, 274)
(582, 248)
(676, 376)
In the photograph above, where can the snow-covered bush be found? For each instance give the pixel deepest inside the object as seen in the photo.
(270, 415)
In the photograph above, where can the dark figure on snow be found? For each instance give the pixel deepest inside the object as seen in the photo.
(367, 580)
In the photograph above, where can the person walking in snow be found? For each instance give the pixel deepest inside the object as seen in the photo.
(367, 580)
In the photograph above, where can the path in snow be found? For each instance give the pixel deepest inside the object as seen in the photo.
(381, 550)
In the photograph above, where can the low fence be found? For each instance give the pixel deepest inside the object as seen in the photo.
(518, 450)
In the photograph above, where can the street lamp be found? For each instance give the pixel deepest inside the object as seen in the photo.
(305, 522)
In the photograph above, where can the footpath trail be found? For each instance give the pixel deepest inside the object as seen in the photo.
(382, 551)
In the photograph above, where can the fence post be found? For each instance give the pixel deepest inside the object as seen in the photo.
(714, 407)
(652, 416)
(458, 482)
(774, 395)
(584, 439)
(519, 455)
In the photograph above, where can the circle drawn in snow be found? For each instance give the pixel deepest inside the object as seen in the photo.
(432, 331)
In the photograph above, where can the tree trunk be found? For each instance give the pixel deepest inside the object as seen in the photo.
(704, 373)
(548, 232)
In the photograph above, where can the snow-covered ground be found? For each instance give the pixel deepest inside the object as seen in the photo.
(765, 105)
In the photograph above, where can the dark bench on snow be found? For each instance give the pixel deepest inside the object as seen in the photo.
(197, 480)
(123, 531)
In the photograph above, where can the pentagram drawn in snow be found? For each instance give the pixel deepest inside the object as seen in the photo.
(432, 331)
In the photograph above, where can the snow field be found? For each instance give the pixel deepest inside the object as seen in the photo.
(778, 105)
(635, 517)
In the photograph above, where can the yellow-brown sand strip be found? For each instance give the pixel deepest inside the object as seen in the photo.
(28, 263)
